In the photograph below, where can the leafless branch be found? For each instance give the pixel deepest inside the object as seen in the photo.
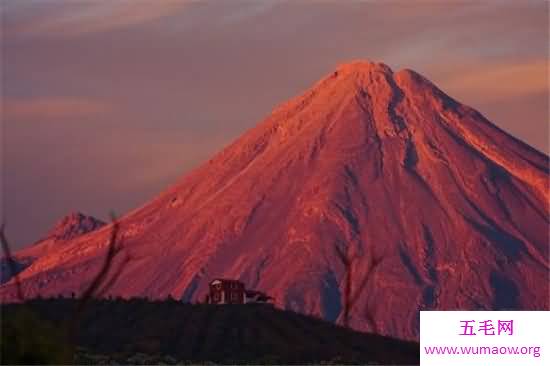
(112, 251)
(93, 290)
(11, 262)
(351, 297)
(108, 284)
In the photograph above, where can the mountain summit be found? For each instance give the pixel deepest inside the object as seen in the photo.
(379, 166)
(73, 225)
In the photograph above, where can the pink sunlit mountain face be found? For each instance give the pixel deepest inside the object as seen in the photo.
(70, 227)
(383, 166)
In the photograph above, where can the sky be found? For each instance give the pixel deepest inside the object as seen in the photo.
(105, 103)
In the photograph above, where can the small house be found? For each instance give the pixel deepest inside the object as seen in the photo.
(225, 291)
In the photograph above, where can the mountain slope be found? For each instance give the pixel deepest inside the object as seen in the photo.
(66, 229)
(383, 165)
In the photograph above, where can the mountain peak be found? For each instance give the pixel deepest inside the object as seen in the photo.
(73, 225)
(366, 73)
(363, 66)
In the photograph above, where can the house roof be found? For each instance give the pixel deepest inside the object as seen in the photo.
(253, 292)
(261, 295)
(221, 280)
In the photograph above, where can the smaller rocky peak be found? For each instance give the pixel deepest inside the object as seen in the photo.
(73, 225)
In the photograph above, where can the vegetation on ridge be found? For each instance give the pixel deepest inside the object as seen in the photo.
(118, 330)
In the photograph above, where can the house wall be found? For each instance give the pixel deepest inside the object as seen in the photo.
(227, 292)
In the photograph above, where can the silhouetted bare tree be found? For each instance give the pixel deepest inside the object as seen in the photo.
(27, 325)
(10, 262)
(95, 288)
(350, 296)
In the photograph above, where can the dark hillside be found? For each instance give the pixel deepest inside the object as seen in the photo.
(121, 329)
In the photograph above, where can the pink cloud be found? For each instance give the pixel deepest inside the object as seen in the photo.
(69, 19)
(501, 81)
(52, 108)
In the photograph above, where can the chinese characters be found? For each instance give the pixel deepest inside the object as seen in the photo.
(486, 327)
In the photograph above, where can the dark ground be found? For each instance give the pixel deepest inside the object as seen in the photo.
(139, 331)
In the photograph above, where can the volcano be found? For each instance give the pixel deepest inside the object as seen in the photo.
(379, 166)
